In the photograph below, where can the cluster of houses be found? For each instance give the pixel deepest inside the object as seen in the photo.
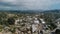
(30, 25)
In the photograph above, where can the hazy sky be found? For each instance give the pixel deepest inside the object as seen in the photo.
(29, 4)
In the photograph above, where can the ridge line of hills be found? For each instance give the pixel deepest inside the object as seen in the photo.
(31, 11)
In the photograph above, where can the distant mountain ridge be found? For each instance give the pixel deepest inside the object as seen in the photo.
(31, 11)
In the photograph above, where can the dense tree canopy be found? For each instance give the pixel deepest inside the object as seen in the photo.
(11, 21)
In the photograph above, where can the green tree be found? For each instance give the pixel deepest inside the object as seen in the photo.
(11, 21)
